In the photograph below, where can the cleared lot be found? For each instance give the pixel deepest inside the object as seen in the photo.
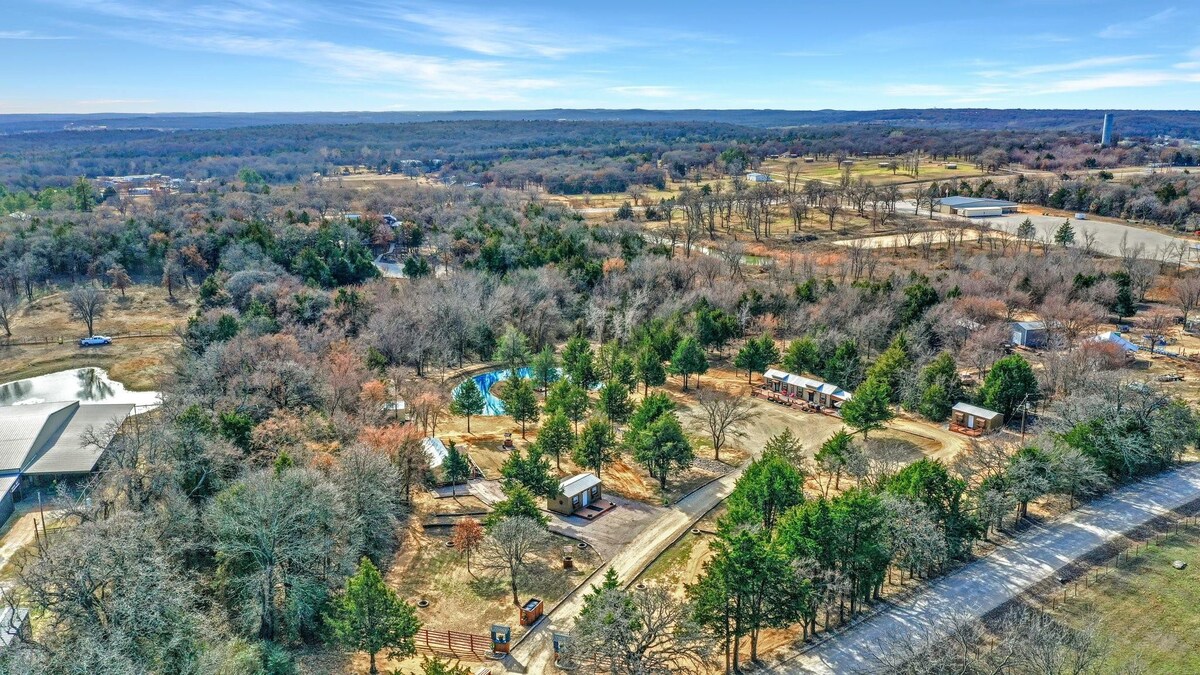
(1108, 233)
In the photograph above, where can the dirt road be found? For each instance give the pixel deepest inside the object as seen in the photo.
(983, 585)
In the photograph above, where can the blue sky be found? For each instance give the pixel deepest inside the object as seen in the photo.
(270, 55)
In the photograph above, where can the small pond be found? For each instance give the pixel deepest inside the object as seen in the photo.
(88, 385)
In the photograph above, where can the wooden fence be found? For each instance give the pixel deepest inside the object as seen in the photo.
(65, 339)
(453, 643)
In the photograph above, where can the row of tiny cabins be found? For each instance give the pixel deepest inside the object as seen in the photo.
(965, 418)
(806, 389)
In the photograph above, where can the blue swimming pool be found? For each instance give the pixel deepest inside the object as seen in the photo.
(485, 382)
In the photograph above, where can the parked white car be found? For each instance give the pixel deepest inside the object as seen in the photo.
(95, 341)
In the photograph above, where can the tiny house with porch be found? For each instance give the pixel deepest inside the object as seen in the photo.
(973, 420)
(577, 493)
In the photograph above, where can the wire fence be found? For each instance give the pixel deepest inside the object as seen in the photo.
(1069, 588)
(13, 341)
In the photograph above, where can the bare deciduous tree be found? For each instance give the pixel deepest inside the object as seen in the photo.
(724, 417)
(1187, 294)
(9, 304)
(510, 547)
(87, 304)
(645, 632)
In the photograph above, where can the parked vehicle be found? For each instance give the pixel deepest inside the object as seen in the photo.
(95, 341)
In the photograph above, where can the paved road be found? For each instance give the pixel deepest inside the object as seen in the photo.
(981, 586)
(1108, 233)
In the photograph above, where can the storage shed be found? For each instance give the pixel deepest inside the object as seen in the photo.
(1029, 334)
(575, 493)
(974, 420)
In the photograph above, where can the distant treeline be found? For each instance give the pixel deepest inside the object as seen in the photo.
(1129, 122)
(567, 157)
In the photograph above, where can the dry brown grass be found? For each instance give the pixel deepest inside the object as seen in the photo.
(138, 363)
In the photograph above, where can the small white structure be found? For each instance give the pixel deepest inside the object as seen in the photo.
(756, 177)
(1118, 340)
(436, 450)
(1080, 216)
(951, 166)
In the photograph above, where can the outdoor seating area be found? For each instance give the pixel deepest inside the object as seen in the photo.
(801, 392)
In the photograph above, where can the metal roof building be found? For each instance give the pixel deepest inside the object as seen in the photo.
(49, 440)
(972, 207)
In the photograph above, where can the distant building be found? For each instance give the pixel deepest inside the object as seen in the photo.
(1106, 130)
(973, 207)
(1029, 333)
(755, 177)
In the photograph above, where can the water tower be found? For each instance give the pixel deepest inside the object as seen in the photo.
(1106, 135)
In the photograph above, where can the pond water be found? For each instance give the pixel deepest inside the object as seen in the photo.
(492, 405)
(88, 385)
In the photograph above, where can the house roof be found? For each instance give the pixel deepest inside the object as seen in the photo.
(577, 484)
(973, 202)
(436, 449)
(1030, 325)
(976, 411)
(24, 428)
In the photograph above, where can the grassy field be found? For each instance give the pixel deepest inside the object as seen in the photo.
(868, 167)
(1147, 609)
(138, 363)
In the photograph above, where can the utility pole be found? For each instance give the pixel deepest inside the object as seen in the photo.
(1024, 408)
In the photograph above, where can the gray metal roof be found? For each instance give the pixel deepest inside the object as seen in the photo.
(973, 202)
(7, 483)
(976, 411)
(71, 452)
(1030, 325)
(577, 484)
(26, 428)
(53, 437)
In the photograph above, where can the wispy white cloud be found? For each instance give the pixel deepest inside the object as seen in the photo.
(1128, 29)
(29, 35)
(434, 76)
(274, 29)
(646, 90)
(1121, 80)
(492, 34)
(1081, 64)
